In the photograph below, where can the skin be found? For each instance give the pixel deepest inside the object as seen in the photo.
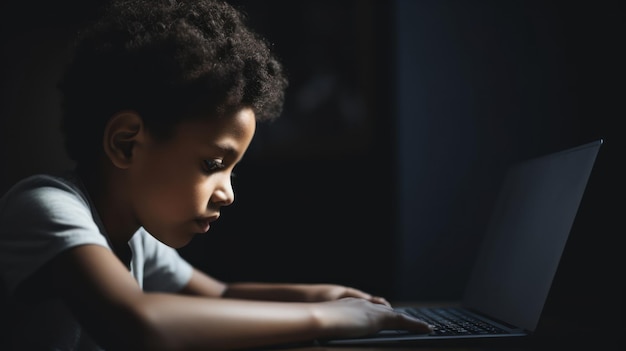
(175, 188)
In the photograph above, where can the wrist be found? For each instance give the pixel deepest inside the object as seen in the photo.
(319, 320)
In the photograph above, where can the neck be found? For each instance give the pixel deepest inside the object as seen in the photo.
(106, 190)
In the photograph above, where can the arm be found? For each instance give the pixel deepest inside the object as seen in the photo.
(204, 285)
(111, 306)
(297, 292)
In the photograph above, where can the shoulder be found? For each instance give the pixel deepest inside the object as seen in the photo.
(46, 204)
(43, 196)
(42, 188)
(40, 217)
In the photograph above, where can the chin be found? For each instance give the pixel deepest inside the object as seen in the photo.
(179, 242)
(176, 242)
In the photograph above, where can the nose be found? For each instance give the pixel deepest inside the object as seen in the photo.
(223, 194)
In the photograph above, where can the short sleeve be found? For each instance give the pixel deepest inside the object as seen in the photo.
(39, 218)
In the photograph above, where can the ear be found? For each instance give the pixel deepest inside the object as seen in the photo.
(121, 134)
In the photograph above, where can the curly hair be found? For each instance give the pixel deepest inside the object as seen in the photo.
(169, 61)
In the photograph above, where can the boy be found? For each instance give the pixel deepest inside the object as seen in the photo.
(160, 103)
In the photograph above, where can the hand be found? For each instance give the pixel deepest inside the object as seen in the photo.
(288, 292)
(330, 292)
(353, 317)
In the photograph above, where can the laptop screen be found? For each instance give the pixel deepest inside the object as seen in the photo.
(531, 221)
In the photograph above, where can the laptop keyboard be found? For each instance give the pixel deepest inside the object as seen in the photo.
(452, 321)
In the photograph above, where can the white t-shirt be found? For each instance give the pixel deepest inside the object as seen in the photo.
(42, 216)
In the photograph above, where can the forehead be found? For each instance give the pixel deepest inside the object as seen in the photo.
(234, 131)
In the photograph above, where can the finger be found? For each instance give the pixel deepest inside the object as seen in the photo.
(414, 324)
(351, 292)
(379, 300)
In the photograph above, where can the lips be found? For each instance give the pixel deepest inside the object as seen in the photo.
(203, 224)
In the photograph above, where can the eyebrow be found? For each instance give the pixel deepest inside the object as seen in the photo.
(225, 148)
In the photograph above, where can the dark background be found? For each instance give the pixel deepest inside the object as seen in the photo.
(400, 120)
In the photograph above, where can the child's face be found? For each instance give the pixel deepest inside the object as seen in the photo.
(179, 186)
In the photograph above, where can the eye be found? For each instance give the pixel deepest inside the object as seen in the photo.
(210, 166)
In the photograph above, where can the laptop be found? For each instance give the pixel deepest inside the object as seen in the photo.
(517, 260)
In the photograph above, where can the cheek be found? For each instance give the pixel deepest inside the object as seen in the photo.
(176, 197)
(164, 192)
